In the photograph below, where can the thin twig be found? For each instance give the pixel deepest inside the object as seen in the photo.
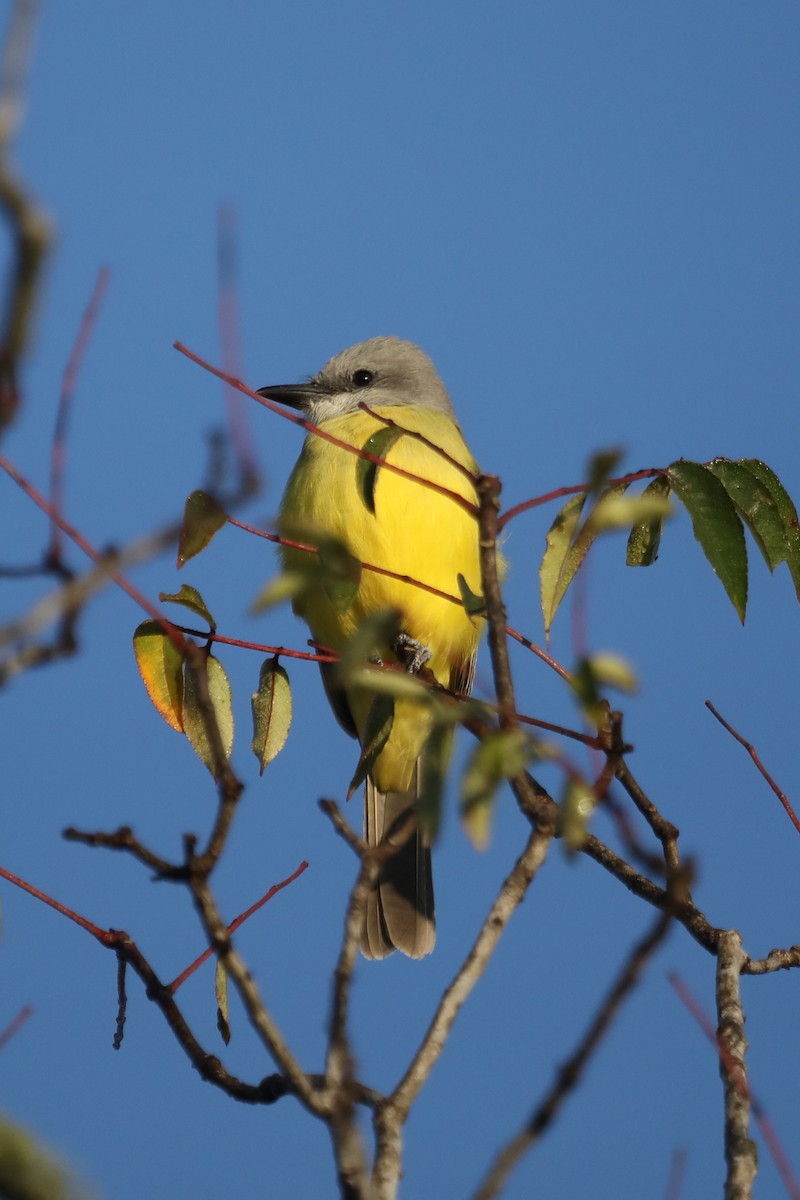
(58, 457)
(570, 1073)
(259, 1018)
(462, 501)
(751, 750)
(573, 490)
(512, 892)
(15, 1025)
(236, 923)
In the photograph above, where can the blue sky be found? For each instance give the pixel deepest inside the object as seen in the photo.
(587, 215)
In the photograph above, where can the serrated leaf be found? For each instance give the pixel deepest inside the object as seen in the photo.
(433, 764)
(272, 712)
(474, 605)
(380, 719)
(756, 505)
(221, 992)
(716, 526)
(219, 693)
(558, 541)
(645, 537)
(202, 518)
(160, 665)
(497, 757)
(577, 805)
(379, 444)
(189, 597)
(787, 513)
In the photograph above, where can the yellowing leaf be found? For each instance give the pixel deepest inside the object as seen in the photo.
(558, 543)
(219, 694)
(577, 805)
(611, 670)
(160, 665)
(272, 712)
(645, 536)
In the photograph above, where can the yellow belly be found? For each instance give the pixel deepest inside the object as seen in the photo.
(413, 531)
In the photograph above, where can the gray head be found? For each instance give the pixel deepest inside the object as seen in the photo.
(380, 372)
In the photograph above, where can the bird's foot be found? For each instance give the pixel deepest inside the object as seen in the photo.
(411, 653)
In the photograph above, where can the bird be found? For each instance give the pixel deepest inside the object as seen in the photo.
(409, 530)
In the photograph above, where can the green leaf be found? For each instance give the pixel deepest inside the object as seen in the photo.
(219, 693)
(160, 664)
(577, 805)
(189, 597)
(379, 444)
(221, 992)
(386, 681)
(433, 764)
(645, 537)
(787, 512)
(756, 505)
(593, 675)
(474, 605)
(202, 518)
(272, 712)
(497, 757)
(371, 640)
(340, 572)
(286, 586)
(29, 1170)
(380, 719)
(558, 543)
(601, 466)
(716, 525)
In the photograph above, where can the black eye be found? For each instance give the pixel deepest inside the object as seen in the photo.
(363, 378)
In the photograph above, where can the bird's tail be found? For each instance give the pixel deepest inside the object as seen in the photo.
(400, 914)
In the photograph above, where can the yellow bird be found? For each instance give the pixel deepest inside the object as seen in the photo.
(407, 529)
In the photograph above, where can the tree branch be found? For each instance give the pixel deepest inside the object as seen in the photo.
(569, 1074)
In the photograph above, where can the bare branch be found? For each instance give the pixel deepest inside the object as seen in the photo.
(570, 1073)
(259, 1018)
(510, 896)
(30, 229)
(741, 1154)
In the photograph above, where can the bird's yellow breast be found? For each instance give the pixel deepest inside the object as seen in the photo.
(413, 531)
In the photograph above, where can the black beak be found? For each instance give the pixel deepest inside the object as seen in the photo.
(293, 395)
